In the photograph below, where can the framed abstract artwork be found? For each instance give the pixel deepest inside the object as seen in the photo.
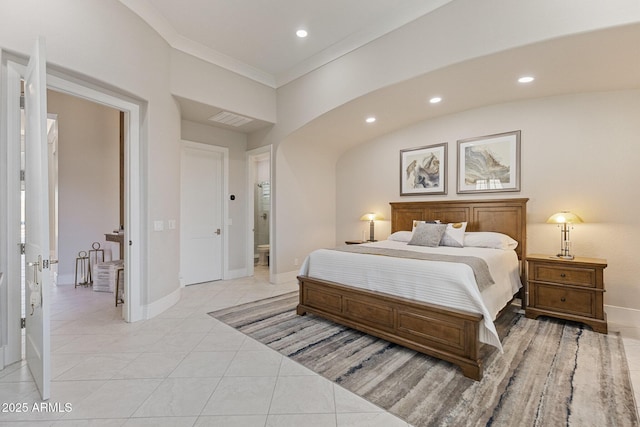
(423, 170)
(489, 164)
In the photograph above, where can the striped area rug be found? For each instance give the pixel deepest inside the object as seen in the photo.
(552, 373)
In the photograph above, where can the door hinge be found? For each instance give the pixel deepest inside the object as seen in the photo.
(23, 323)
(23, 248)
(22, 175)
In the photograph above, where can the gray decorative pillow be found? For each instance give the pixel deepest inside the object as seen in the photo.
(427, 235)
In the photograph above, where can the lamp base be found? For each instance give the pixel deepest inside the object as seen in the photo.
(565, 256)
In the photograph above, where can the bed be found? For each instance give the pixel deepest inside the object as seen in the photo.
(443, 330)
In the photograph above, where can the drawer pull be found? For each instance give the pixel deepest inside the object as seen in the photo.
(563, 299)
(563, 275)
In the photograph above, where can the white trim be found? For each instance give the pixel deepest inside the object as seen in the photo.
(622, 316)
(164, 303)
(134, 205)
(225, 199)
(12, 310)
(134, 172)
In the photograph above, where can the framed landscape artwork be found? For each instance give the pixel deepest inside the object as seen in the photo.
(489, 164)
(423, 170)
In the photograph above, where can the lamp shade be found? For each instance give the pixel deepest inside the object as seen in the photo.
(370, 216)
(564, 217)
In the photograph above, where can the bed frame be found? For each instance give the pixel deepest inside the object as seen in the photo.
(441, 332)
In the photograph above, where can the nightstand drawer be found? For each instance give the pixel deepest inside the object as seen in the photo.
(565, 275)
(564, 300)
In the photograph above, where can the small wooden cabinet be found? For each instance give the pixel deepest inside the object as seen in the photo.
(567, 289)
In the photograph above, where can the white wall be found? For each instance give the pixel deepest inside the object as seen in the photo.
(579, 153)
(114, 48)
(88, 177)
(209, 84)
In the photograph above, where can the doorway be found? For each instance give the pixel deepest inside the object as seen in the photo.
(133, 200)
(85, 197)
(259, 214)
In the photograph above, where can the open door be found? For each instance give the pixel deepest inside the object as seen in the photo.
(38, 343)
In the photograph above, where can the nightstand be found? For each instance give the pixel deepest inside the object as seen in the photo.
(567, 289)
(355, 242)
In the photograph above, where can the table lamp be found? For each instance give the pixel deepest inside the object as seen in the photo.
(563, 219)
(371, 217)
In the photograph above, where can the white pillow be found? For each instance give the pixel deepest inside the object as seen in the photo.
(454, 235)
(489, 239)
(401, 236)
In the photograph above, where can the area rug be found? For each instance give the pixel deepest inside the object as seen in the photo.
(552, 373)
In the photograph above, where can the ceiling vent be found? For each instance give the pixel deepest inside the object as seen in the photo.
(230, 119)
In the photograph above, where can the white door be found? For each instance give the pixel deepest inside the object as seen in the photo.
(37, 345)
(201, 208)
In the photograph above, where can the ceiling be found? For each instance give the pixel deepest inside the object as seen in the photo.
(257, 39)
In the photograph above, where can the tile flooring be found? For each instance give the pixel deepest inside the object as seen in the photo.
(184, 368)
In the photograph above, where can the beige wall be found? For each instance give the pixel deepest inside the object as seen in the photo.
(132, 59)
(579, 153)
(457, 32)
(88, 177)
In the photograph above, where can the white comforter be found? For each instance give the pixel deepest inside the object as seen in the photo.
(444, 283)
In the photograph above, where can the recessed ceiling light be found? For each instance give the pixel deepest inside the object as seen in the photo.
(370, 119)
(301, 33)
(526, 79)
(435, 100)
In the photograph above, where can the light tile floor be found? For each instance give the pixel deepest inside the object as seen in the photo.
(184, 368)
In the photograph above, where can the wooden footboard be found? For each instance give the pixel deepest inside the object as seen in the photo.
(444, 333)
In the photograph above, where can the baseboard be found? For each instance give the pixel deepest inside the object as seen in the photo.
(622, 315)
(289, 276)
(236, 274)
(164, 303)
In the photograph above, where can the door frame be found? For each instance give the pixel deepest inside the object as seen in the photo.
(135, 232)
(224, 200)
(251, 158)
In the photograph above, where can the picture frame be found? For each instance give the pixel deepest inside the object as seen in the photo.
(423, 170)
(489, 164)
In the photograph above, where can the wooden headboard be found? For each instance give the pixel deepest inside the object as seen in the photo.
(507, 216)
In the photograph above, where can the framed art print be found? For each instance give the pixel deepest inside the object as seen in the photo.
(423, 170)
(489, 164)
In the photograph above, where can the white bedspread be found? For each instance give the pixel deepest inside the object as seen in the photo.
(448, 284)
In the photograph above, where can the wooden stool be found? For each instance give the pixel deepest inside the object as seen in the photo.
(116, 288)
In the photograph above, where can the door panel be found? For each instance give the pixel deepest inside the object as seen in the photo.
(201, 213)
(38, 347)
